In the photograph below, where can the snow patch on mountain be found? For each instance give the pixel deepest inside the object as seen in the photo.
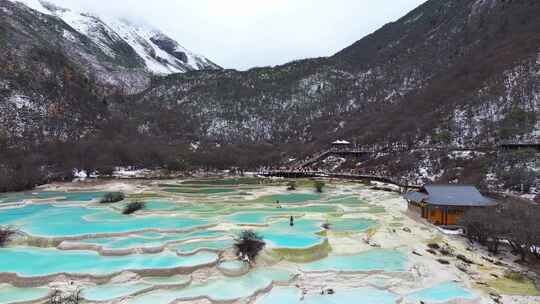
(143, 40)
(21, 101)
(159, 53)
(33, 4)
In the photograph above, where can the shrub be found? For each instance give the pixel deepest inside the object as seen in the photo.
(518, 179)
(249, 245)
(446, 251)
(514, 222)
(133, 207)
(291, 186)
(443, 261)
(105, 170)
(57, 297)
(434, 246)
(112, 197)
(465, 259)
(319, 185)
(514, 276)
(5, 236)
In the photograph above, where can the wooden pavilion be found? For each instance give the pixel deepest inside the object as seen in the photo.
(446, 204)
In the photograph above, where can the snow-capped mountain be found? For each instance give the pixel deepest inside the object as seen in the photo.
(160, 54)
(452, 74)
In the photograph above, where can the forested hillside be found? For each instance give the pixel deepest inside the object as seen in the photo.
(450, 74)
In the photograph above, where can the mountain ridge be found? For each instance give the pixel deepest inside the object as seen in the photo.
(160, 54)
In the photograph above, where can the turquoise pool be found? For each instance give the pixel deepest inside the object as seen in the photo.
(10, 294)
(378, 259)
(249, 217)
(278, 295)
(289, 198)
(351, 225)
(442, 293)
(354, 296)
(66, 196)
(76, 221)
(113, 291)
(193, 246)
(291, 295)
(232, 265)
(174, 280)
(31, 262)
(156, 205)
(150, 239)
(219, 289)
(301, 235)
(181, 190)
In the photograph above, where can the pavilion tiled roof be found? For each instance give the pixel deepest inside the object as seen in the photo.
(450, 195)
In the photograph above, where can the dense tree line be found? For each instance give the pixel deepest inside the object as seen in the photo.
(23, 166)
(515, 223)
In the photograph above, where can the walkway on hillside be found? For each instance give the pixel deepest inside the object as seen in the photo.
(324, 154)
(349, 176)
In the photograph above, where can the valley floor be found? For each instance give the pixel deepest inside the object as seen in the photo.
(350, 244)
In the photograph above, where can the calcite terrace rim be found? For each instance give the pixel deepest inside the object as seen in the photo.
(144, 291)
(21, 281)
(105, 251)
(250, 297)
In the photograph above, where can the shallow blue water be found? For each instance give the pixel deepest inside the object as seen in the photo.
(379, 259)
(156, 205)
(248, 217)
(150, 239)
(355, 296)
(174, 280)
(298, 209)
(193, 246)
(290, 198)
(219, 289)
(112, 291)
(30, 262)
(301, 235)
(67, 196)
(285, 295)
(442, 293)
(291, 295)
(73, 221)
(10, 294)
(232, 265)
(350, 225)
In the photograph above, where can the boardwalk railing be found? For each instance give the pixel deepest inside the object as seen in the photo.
(350, 176)
(321, 155)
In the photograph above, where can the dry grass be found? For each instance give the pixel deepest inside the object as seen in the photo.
(515, 284)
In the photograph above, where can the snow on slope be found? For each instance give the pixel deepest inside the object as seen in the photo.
(160, 54)
(158, 58)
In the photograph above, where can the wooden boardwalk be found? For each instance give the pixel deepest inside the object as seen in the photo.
(339, 152)
(346, 176)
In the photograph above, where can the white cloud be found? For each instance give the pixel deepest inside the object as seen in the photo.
(247, 33)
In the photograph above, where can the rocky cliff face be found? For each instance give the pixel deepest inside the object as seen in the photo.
(461, 73)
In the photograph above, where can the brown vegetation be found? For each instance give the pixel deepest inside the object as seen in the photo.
(112, 197)
(249, 245)
(133, 207)
(515, 222)
(58, 297)
(5, 235)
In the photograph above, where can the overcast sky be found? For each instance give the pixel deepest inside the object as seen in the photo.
(242, 34)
